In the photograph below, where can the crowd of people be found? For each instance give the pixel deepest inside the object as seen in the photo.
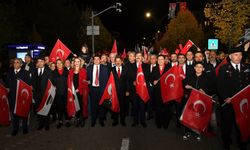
(198, 67)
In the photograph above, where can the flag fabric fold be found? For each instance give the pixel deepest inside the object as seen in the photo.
(197, 111)
(4, 107)
(110, 98)
(23, 99)
(141, 86)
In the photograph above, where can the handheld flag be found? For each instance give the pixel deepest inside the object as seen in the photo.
(60, 51)
(4, 107)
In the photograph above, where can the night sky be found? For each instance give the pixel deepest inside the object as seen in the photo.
(132, 23)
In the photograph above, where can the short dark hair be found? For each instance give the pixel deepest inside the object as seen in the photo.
(160, 56)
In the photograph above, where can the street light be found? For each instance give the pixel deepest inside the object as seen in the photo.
(148, 14)
(117, 6)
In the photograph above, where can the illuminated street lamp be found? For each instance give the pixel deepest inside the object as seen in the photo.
(148, 14)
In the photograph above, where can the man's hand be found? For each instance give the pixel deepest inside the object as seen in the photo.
(228, 100)
(155, 82)
(127, 93)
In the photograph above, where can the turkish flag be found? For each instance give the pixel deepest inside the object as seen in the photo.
(180, 46)
(164, 52)
(124, 55)
(47, 100)
(114, 48)
(4, 107)
(60, 51)
(109, 98)
(171, 84)
(187, 47)
(219, 66)
(85, 97)
(141, 86)
(72, 100)
(23, 99)
(197, 111)
(241, 102)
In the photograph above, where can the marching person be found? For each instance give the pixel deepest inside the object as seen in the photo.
(11, 85)
(97, 75)
(138, 103)
(162, 113)
(197, 81)
(120, 81)
(232, 78)
(77, 75)
(40, 79)
(60, 77)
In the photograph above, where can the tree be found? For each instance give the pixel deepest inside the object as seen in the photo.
(102, 41)
(180, 29)
(229, 18)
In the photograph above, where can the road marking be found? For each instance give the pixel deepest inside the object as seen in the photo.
(125, 144)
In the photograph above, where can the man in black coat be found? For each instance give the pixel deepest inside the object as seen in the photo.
(138, 104)
(97, 75)
(11, 84)
(28, 64)
(40, 79)
(232, 78)
(120, 81)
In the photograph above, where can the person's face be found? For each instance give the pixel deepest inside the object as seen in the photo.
(112, 57)
(97, 60)
(118, 62)
(198, 57)
(173, 57)
(84, 49)
(153, 59)
(40, 63)
(104, 59)
(161, 61)
(77, 63)
(138, 57)
(190, 56)
(46, 58)
(236, 57)
(199, 68)
(67, 64)
(59, 65)
(27, 59)
(222, 56)
(53, 67)
(181, 59)
(207, 53)
(212, 56)
(131, 57)
(17, 64)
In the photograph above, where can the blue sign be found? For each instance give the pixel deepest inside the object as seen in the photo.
(213, 44)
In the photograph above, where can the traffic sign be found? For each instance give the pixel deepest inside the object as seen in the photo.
(95, 28)
(213, 44)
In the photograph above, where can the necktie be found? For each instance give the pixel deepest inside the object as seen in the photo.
(40, 73)
(96, 76)
(237, 68)
(119, 72)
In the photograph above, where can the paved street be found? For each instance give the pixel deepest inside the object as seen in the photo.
(105, 138)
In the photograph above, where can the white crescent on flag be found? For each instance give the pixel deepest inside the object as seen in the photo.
(242, 103)
(166, 79)
(137, 77)
(110, 89)
(199, 102)
(25, 91)
(59, 51)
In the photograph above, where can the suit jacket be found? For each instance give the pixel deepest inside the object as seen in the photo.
(103, 76)
(32, 67)
(11, 83)
(131, 76)
(155, 75)
(230, 81)
(40, 84)
(60, 81)
(120, 83)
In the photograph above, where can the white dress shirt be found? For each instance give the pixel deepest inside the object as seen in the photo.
(234, 65)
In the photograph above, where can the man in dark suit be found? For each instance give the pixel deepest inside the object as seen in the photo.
(97, 75)
(28, 65)
(213, 59)
(120, 81)
(162, 113)
(11, 84)
(232, 78)
(40, 79)
(138, 104)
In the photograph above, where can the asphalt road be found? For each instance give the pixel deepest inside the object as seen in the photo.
(105, 138)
